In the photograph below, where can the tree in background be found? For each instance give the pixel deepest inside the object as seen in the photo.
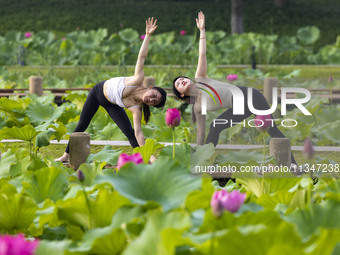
(236, 17)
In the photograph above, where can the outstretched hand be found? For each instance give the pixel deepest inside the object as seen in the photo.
(200, 21)
(150, 26)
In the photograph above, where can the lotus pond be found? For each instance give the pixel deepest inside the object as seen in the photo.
(160, 208)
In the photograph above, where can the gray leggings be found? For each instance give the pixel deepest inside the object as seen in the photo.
(260, 103)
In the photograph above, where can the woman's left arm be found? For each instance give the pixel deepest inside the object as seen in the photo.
(138, 77)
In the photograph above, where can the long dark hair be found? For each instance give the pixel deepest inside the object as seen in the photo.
(186, 99)
(146, 108)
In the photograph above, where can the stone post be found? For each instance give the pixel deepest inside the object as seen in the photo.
(268, 85)
(280, 148)
(36, 85)
(79, 148)
(149, 81)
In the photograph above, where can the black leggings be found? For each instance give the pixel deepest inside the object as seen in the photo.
(95, 99)
(260, 103)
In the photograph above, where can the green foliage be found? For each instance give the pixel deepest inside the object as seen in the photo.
(96, 48)
(169, 189)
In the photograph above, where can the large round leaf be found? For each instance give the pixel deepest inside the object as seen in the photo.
(165, 182)
(26, 133)
(308, 35)
(128, 35)
(39, 113)
(46, 183)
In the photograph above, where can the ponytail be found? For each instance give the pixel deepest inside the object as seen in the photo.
(146, 112)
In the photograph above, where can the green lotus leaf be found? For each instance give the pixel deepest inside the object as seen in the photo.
(91, 171)
(53, 247)
(182, 153)
(39, 113)
(155, 238)
(165, 182)
(126, 214)
(201, 155)
(107, 154)
(75, 210)
(256, 237)
(164, 39)
(242, 157)
(17, 211)
(128, 35)
(8, 159)
(309, 220)
(66, 47)
(330, 131)
(149, 148)
(308, 35)
(13, 106)
(26, 133)
(43, 138)
(45, 99)
(215, 36)
(36, 164)
(102, 241)
(269, 184)
(326, 241)
(280, 197)
(200, 199)
(58, 129)
(46, 183)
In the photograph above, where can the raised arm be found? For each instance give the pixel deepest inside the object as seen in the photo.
(201, 71)
(138, 77)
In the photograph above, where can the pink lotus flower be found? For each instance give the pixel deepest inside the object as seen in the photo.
(182, 32)
(330, 79)
(263, 122)
(125, 158)
(28, 34)
(308, 150)
(17, 245)
(142, 37)
(173, 117)
(223, 200)
(232, 77)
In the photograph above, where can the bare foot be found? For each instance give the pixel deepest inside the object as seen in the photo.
(63, 158)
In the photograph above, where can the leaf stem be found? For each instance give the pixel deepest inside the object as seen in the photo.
(173, 139)
(88, 206)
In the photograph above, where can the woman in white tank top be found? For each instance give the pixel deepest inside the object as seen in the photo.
(118, 93)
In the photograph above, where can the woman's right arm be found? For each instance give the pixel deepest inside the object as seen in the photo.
(138, 77)
(200, 119)
(201, 71)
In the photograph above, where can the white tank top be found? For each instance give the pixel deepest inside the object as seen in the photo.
(114, 91)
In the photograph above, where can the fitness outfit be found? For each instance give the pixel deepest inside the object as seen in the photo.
(114, 107)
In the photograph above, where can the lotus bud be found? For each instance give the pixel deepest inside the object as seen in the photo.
(308, 149)
(80, 176)
(263, 122)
